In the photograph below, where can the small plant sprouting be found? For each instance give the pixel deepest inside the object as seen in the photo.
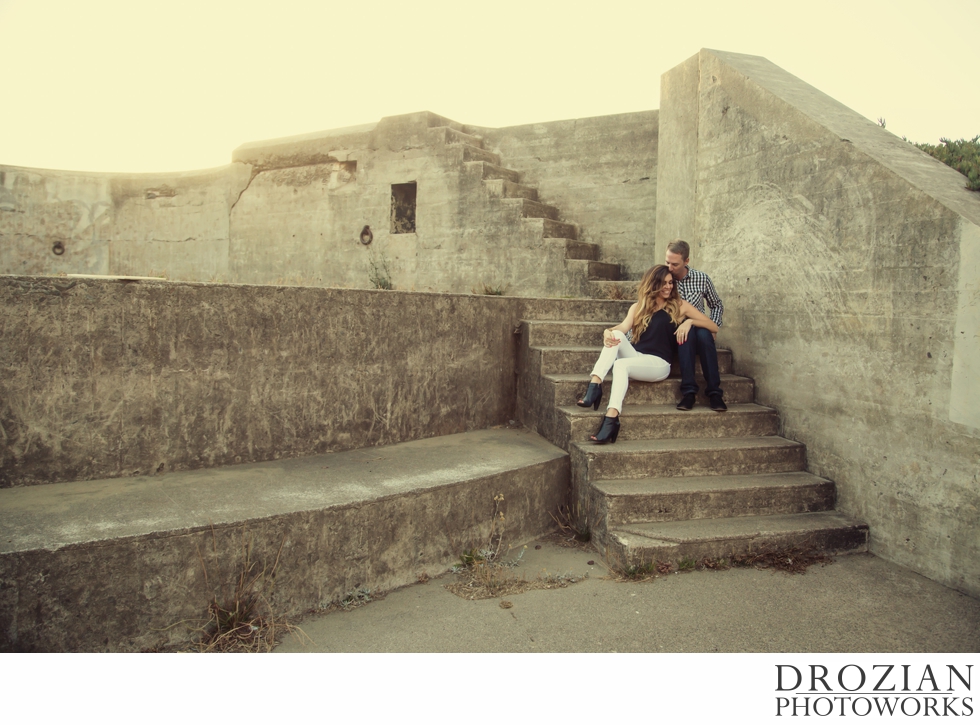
(639, 572)
(469, 557)
(355, 598)
(686, 565)
(490, 289)
(380, 275)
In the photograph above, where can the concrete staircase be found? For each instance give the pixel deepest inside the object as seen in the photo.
(677, 486)
(542, 222)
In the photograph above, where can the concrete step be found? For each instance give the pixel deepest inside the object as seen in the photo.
(603, 270)
(677, 541)
(574, 359)
(450, 135)
(555, 333)
(534, 209)
(686, 457)
(602, 289)
(495, 171)
(552, 229)
(648, 500)
(474, 153)
(581, 250)
(642, 422)
(113, 565)
(513, 190)
(569, 388)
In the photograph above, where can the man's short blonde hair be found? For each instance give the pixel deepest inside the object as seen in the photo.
(679, 246)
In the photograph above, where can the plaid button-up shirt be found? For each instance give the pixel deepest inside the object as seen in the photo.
(697, 289)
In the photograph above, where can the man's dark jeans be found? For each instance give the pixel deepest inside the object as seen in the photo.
(699, 343)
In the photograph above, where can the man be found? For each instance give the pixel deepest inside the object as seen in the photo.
(696, 287)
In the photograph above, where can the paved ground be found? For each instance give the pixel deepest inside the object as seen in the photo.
(857, 604)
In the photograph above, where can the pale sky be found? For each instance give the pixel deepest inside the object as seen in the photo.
(108, 85)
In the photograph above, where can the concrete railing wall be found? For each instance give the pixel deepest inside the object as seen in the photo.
(100, 378)
(600, 172)
(849, 262)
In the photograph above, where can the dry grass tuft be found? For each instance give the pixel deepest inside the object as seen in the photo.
(489, 580)
(792, 560)
(241, 620)
(570, 534)
(482, 574)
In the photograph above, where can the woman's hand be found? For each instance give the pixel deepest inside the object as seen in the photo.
(609, 339)
(682, 330)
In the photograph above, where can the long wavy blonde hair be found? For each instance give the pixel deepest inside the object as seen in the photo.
(651, 284)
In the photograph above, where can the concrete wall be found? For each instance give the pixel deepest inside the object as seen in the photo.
(173, 225)
(849, 262)
(100, 379)
(679, 128)
(601, 172)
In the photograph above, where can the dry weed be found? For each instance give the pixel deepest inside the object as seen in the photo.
(489, 580)
(242, 620)
(792, 560)
(482, 574)
(570, 534)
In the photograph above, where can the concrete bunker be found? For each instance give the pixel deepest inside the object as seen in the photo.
(270, 215)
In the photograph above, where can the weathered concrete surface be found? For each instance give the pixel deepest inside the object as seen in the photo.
(860, 603)
(600, 172)
(698, 539)
(103, 378)
(173, 225)
(847, 259)
(679, 154)
(129, 564)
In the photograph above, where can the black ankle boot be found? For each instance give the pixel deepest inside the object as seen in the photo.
(608, 432)
(593, 396)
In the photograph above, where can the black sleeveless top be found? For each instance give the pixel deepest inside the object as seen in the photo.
(658, 339)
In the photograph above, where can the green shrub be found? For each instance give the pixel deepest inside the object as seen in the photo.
(962, 155)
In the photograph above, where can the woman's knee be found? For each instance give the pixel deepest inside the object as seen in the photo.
(622, 366)
(648, 368)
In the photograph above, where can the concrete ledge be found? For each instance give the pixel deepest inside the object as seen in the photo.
(130, 564)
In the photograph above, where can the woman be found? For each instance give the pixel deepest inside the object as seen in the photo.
(655, 321)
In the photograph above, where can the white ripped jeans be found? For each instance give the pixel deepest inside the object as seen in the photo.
(627, 363)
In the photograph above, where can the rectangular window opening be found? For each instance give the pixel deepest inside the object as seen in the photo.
(403, 208)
